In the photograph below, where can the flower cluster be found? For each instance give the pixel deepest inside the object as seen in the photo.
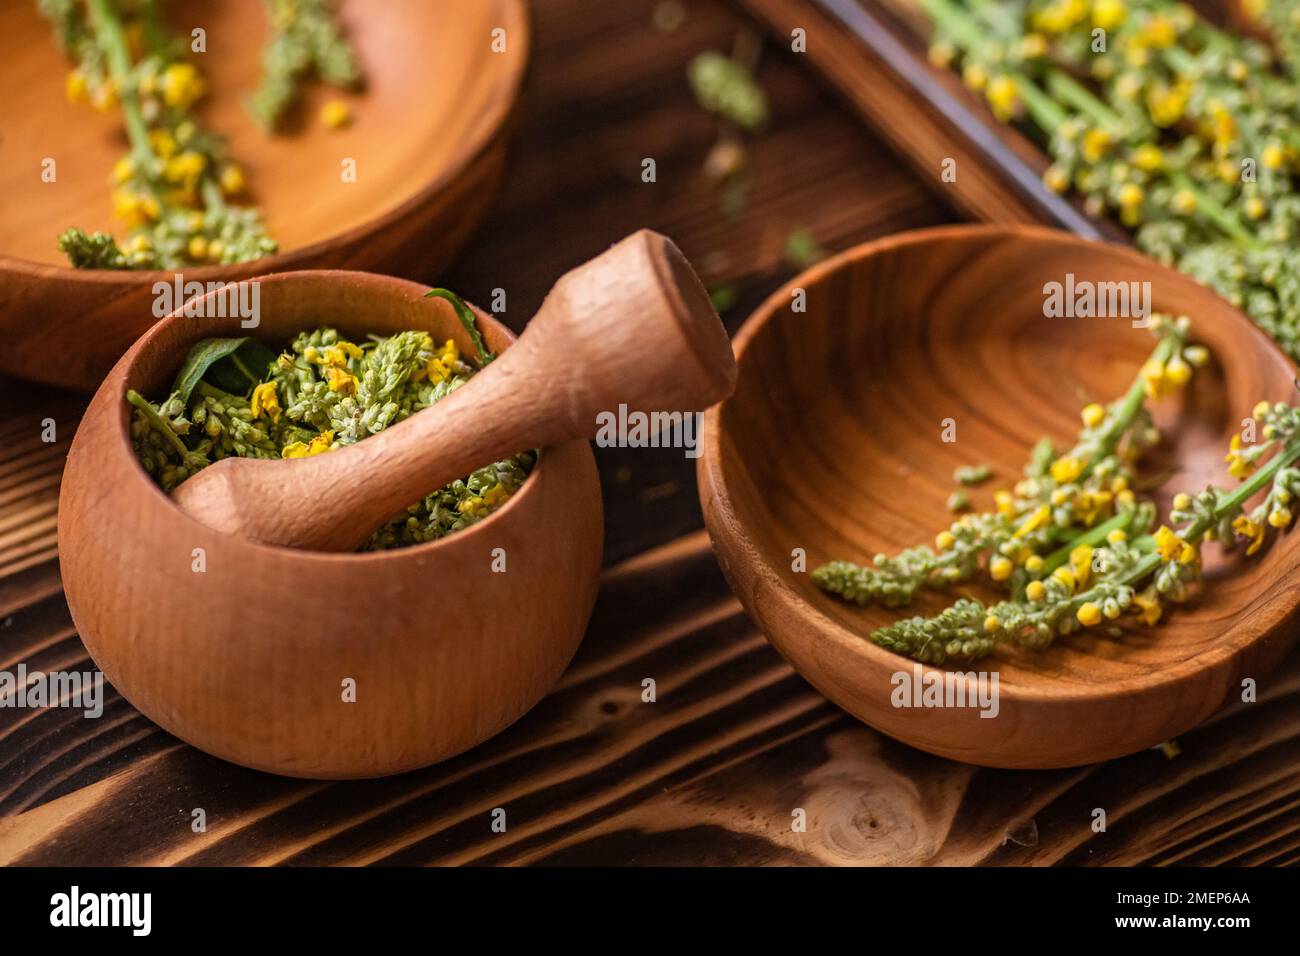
(1183, 132)
(173, 190)
(305, 38)
(322, 393)
(1082, 495)
(1066, 570)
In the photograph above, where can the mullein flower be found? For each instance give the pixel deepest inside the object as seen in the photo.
(1061, 497)
(1162, 139)
(306, 38)
(170, 191)
(1103, 582)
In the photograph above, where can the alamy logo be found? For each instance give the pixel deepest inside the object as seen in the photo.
(72, 689)
(1073, 299)
(625, 429)
(920, 688)
(74, 908)
(220, 300)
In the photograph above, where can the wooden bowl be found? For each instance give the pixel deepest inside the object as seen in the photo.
(832, 443)
(427, 137)
(248, 658)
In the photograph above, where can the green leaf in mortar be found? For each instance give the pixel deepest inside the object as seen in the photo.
(232, 365)
(466, 316)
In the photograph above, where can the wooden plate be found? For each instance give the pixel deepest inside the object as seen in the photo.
(832, 443)
(426, 137)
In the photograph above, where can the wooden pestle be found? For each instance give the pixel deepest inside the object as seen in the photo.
(633, 326)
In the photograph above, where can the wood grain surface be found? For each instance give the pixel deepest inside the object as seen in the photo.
(736, 741)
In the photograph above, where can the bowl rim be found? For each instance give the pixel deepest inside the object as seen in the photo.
(472, 150)
(712, 480)
(117, 379)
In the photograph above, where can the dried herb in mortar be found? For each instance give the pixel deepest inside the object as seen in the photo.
(237, 397)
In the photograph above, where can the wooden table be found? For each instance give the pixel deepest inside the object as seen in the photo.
(713, 771)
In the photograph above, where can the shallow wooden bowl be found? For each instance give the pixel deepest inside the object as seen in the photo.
(247, 660)
(832, 443)
(427, 138)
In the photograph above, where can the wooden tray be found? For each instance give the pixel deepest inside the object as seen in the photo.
(874, 53)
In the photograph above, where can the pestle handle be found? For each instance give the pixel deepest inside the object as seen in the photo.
(633, 326)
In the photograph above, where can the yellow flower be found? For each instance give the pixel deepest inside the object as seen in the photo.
(77, 87)
(975, 76)
(1093, 415)
(1167, 104)
(992, 624)
(1118, 536)
(470, 506)
(1148, 158)
(442, 365)
(1032, 46)
(1056, 179)
(1108, 14)
(1174, 548)
(162, 143)
(941, 54)
(1035, 591)
(185, 168)
(1095, 144)
(1066, 577)
(495, 495)
(1178, 372)
(1131, 196)
(341, 380)
(335, 114)
(1003, 97)
(1081, 562)
(1149, 607)
(1184, 202)
(321, 443)
(265, 402)
(104, 96)
(232, 180)
(123, 170)
(944, 540)
(1066, 469)
(1005, 502)
(1089, 614)
(1035, 521)
(1159, 32)
(1252, 530)
(182, 85)
(1239, 465)
(1274, 156)
(198, 248)
(1034, 564)
(1000, 568)
(1280, 518)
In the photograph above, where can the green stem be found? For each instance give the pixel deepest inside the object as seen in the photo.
(111, 39)
(1065, 87)
(157, 422)
(1211, 210)
(1195, 532)
(1093, 536)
